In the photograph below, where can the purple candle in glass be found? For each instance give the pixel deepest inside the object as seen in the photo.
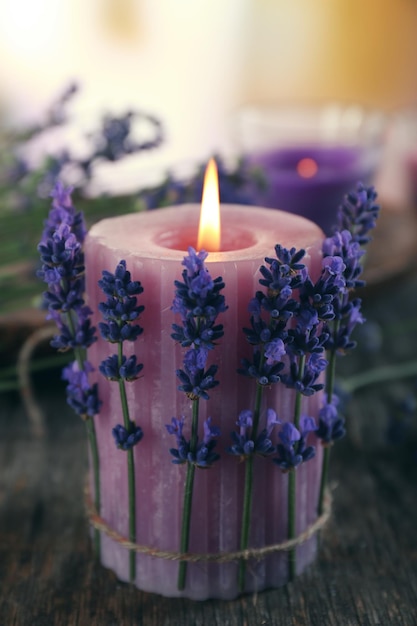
(311, 156)
(312, 180)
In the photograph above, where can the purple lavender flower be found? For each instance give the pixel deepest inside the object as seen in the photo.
(120, 308)
(203, 456)
(83, 336)
(119, 284)
(271, 337)
(210, 431)
(57, 114)
(195, 380)
(348, 316)
(308, 336)
(176, 427)
(62, 196)
(286, 262)
(358, 213)
(114, 140)
(262, 332)
(357, 216)
(343, 245)
(60, 248)
(198, 301)
(259, 370)
(319, 296)
(194, 262)
(242, 443)
(81, 396)
(121, 312)
(274, 351)
(128, 369)
(334, 266)
(331, 425)
(63, 212)
(316, 307)
(127, 439)
(199, 332)
(198, 296)
(293, 449)
(63, 270)
(306, 384)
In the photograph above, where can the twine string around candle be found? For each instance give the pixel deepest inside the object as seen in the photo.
(219, 557)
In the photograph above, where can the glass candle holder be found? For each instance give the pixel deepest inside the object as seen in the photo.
(310, 156)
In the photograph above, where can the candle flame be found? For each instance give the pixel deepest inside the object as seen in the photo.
(209, 228)
(307, 168)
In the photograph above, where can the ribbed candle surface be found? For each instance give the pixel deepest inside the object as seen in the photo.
(154, 245)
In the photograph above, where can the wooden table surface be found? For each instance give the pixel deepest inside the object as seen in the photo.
(366, 571)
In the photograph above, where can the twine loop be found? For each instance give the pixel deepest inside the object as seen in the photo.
(218, 557)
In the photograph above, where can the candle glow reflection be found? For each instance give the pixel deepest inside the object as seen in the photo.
(307, 168)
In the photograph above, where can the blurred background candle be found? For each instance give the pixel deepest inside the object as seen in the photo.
(310, 156)
(154, 245)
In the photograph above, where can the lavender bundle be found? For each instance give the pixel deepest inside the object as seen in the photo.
(357, 216)
(323, 320)
(288, 335)
(268, 337)
(198, 301)
(305, 347)
(63, 270)
(121, 312)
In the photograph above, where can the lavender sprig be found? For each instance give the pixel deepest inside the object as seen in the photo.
(121, 313)
(198, 301)
(295, 328)
(305, 341)
(81, 396)
(357, 216)
(114, 139)
(331, 425)
(271, 310)
(62, 269)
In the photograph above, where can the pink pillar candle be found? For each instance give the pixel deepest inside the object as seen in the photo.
(154, 245)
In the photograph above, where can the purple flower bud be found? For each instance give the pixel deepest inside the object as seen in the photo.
(334, 265)
(271, 420)
(289, 434)
(127, 439)
(245, 421)
(210, 432)
(194, 262)
(274, 350)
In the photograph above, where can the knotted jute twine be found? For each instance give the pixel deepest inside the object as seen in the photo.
(218, 557)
